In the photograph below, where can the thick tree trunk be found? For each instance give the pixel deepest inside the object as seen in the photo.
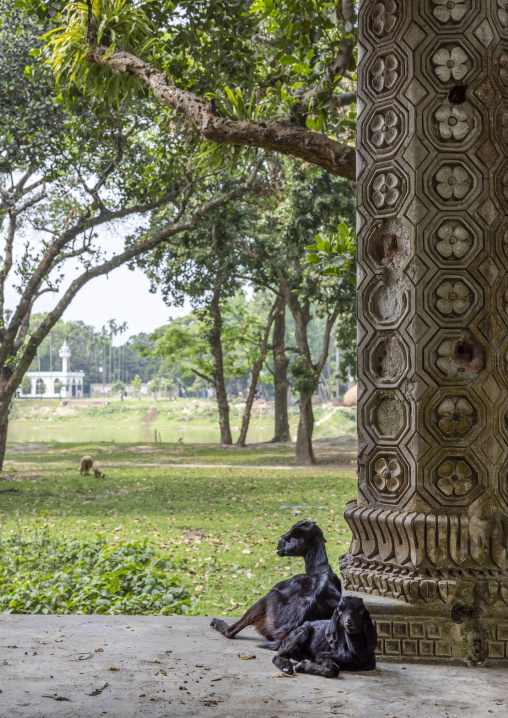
(256, 369)
(250, 400)
(3, 439)
(220, 384)
(280, 374)
(304, 451)
(5, 405)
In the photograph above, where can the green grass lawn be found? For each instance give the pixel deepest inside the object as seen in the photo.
(225, 521)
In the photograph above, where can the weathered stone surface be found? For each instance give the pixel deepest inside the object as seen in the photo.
(430, 524)
(173, 667)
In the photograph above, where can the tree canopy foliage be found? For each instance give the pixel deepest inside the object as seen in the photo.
(278, 75)
(72, 173)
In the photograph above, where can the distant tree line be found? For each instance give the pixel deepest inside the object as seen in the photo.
(92, 349)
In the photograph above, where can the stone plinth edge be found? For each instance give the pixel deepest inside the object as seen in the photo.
(439, 634)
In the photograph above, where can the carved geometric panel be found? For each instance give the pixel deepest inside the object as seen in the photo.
(385, 72)
(386, 128)
(492, 389)
(386, 305)
(386, 190)
(503, 482)
(453, 299)
(444, 14)
(387, 360)
(492, 449)
(454, 240)
(455, 479)
(454, 417)
(388, 415)
(502, 185)
(452, 126)
(433, 245)
(453, 183)
(387, 476)
(382, 21)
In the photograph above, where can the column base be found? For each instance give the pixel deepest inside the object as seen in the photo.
(467, 588)
(426, 633)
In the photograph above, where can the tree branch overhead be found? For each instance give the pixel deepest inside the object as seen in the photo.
(275, 136)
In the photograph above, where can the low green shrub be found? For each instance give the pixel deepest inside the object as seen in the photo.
(43, 574)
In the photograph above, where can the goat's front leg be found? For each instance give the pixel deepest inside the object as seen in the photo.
(325, 665)
(291, 648)
(250, 618)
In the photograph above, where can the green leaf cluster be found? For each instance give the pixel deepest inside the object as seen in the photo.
(335, 253)
(49, 575)
(304, 375)
(277, 55)
(117, 24)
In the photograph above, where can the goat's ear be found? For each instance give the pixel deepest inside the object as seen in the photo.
(332, 630)
(369, 630)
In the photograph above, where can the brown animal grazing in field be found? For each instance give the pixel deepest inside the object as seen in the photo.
(311, 596)
(85, 465)
(97, 469)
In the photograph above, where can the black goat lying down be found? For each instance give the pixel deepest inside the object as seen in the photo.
(305, 597)
(347, 642)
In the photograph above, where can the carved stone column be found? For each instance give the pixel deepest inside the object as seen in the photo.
(430, 523)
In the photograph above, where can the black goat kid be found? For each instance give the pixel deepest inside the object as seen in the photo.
(305, 597)
(345, 643)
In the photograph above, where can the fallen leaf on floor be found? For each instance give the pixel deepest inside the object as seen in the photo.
(98, 691)
(82, 657)
(112, 668)
(58, 698)
(99, 650)
(246, 656)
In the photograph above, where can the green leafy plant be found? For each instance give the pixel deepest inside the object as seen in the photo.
(335, 253)
(118, 387)
(117, 24)
(26, 385)
(213, 156)
(304, 375)
(41, 574)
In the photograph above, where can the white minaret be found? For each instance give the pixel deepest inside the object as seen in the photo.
(65, 355)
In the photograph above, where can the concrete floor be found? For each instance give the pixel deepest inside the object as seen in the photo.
(174, 666)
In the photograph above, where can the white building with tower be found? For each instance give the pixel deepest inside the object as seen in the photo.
(57, 384)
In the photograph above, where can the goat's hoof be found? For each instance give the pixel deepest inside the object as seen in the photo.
(300, 667)
(220, 626)
(330, 670)
(284, 665)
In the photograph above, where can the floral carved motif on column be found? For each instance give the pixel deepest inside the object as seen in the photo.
(432, 499)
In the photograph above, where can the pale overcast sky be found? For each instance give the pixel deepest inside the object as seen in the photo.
(123, 296)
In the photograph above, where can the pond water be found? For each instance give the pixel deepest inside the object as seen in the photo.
(128, 435)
